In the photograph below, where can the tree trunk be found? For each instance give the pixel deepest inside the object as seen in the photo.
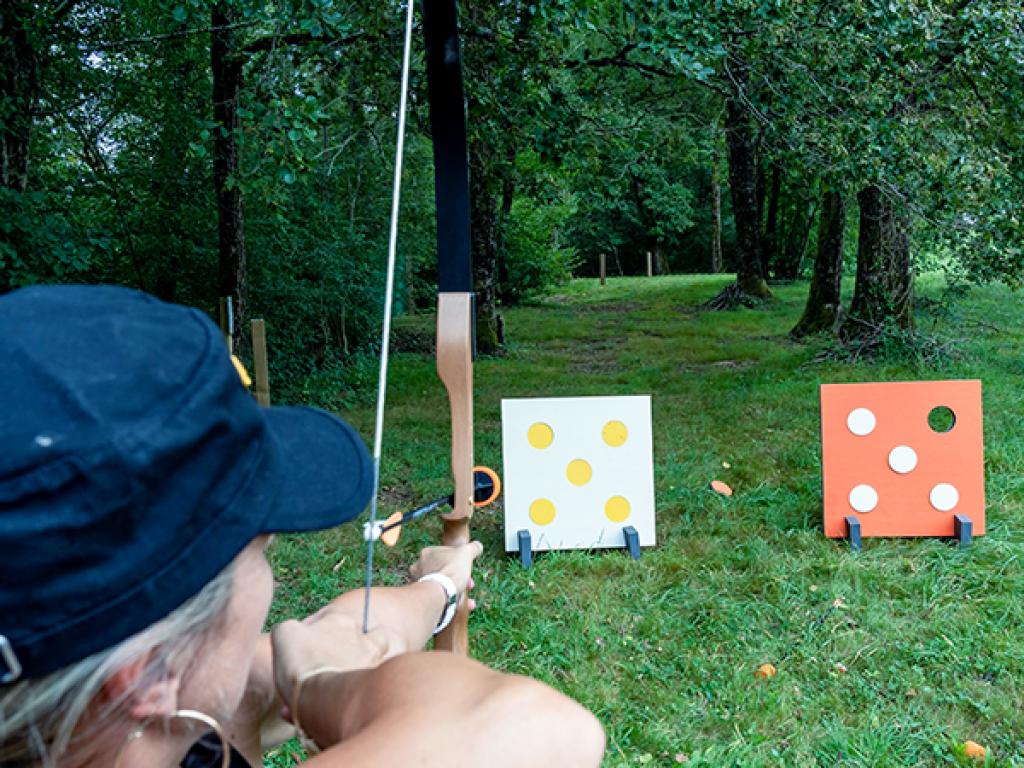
(491, 151)
(742, 143)
(226, 63)
(19, 91)
(793, 243)
(660, 262)
(884, 291)
(716, 218)
(824, 303)
(508, 188)
(805, 237)
(484, 203)
(770, 245)
(644, 217)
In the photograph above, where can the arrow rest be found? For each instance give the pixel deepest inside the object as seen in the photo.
(486, 489)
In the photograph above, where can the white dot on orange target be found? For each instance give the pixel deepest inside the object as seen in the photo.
(861, 422)
(902, 459)
(863, 498)
(944, 497)
(617, 509)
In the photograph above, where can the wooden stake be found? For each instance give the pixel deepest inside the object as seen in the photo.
(650, 272)
(260, 374)
(603, 268)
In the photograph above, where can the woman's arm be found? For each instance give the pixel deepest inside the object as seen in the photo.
(402, 619)
(436, 709)
(406, 615)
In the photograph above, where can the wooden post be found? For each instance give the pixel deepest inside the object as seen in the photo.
(227, 322)
(603, 268)
(650, 272)
(260, 375)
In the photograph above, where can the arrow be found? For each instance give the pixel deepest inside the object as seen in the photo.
(486, 488)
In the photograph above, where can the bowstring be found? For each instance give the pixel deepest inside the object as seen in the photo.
(389, 290)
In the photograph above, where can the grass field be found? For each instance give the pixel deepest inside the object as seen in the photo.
(664, 649)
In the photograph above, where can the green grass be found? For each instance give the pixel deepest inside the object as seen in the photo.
(664, 650)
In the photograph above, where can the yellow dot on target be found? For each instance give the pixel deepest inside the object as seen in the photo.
(540, 435)
(615, 433)
(617, 509)
(579, 472)
(542, 511)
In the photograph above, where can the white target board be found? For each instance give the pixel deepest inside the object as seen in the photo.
(578, 470)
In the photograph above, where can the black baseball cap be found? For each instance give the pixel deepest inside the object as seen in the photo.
(134, 466)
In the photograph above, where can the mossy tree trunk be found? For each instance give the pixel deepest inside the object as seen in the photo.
(770, 242)
(824, 302)
(508, 190)
(19, 86)
(884, 292)
(741, 139)
(716, 217)
(19, 91)
(484, 195)
(226, 68)
(492, 153)
(793, 238)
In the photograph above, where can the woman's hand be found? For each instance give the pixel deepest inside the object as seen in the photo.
(454, 562)
(327, 639)
(400, 621)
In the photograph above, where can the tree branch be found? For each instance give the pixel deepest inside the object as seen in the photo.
(62, 10)
(115, 44)
(270, 42)
(621, 60)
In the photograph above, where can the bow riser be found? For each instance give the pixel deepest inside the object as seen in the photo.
(455, 369)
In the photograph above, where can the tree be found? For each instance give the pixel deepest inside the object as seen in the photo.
(823, 311)
(741, 138)
(226, 65)
(508, 78)
(29, 32)
(884, 292)
(20, 52)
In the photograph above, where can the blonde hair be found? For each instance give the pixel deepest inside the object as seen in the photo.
(38, 717)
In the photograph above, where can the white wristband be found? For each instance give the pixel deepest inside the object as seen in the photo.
(451, 599)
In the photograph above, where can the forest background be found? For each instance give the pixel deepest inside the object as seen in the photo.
(204, 149)
(854, 170)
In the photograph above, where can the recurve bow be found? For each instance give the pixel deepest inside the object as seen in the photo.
(455, 304)
(455, 299)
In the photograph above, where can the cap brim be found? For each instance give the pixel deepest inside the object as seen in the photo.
(324, 474)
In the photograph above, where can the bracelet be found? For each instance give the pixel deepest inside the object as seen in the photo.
(308, 743)
(451, 599)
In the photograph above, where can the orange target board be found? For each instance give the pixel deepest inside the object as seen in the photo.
(904, 458)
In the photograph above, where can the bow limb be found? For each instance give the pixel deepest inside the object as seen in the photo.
(455, 306)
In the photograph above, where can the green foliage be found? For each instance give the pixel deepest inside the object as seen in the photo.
(38, 243)
(537, 257)
(594, 127)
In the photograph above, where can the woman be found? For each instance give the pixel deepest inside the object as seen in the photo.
(139, 487)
